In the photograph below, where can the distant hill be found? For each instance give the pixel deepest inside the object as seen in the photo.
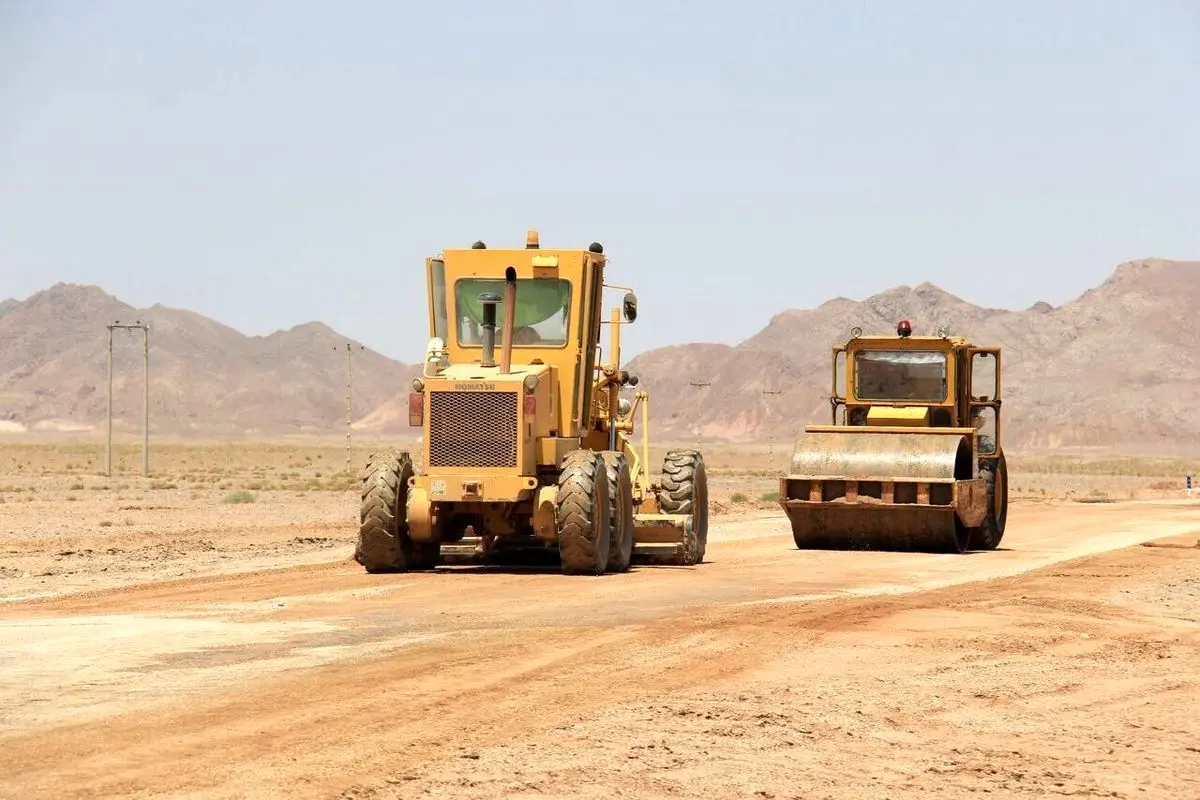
(1119, 365)
(206, 378)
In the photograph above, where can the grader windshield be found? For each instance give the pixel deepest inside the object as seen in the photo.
(542, 315)
(899, 375)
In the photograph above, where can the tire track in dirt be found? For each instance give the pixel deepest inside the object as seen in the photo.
(517, 657)
(320, 721)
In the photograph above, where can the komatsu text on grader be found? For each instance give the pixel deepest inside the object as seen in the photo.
(532, 451)
(913, 459)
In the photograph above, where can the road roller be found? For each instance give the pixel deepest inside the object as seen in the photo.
(912, 460)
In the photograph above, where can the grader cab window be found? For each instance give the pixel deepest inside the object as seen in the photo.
(437, 285)
(900, 375)
(542, 317)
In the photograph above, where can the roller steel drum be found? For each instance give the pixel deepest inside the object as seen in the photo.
(883, 491)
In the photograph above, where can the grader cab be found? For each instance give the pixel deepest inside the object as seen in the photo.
(913, 459)
(527, 437)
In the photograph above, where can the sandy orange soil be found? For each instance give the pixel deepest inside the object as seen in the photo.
(229, 659)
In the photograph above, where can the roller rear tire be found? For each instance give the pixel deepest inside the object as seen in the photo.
(988, 535)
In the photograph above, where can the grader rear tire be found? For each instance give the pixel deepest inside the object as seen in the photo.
(685, 491)
(383, 541)
(582, 514)
(620, 509)
(988, 535)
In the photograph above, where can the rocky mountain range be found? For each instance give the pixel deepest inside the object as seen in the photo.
(1118, 365)
(206, 378)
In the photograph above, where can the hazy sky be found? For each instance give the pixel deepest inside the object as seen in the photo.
(271, 163)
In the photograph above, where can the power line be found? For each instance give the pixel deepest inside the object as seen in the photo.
(349, 401)
(770, 429)
(699, 385)
(145, 329)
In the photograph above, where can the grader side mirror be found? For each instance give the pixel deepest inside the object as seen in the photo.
(629, 305)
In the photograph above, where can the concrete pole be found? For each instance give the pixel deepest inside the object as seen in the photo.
(770, 430)
(146, 400)
(108, 438)
(350, 404)
(699, 385)
(145, 329)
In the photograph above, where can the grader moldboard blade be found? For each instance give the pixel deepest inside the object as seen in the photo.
(665, 539)
(883, 489)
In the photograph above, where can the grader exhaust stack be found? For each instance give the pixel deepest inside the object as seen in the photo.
(912, 461)
(488, 301)
(510, 313)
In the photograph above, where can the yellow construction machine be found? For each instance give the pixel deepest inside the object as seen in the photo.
(532, 451)
(913, 459)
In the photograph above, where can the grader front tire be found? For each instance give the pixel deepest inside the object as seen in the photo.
(620, 509)
(685, 491)
(582, 514)
(383, 541)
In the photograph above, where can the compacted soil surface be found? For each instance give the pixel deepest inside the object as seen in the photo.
(244, 654)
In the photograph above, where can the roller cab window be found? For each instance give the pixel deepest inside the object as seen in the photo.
(900, 375)
(543, 313)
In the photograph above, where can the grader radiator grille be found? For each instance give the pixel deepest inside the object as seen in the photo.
(472, 429)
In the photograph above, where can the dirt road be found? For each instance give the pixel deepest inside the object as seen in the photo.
(1060, 665)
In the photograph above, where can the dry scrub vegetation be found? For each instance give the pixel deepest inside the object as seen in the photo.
(216, 507)
(235, 473)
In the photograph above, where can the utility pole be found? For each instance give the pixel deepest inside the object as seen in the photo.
(699, 385)
(349, 401)
(108, 415)
(145, 401)
(770, 429)
(145, 329)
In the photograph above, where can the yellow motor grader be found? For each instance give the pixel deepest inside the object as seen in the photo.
(531, 450)
(913, 459)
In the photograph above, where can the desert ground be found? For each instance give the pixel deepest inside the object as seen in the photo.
(204, 632)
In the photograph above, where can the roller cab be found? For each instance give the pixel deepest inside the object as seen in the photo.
(912, 460)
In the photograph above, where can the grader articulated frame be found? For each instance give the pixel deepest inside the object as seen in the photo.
(534, 452)
(913, 459)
